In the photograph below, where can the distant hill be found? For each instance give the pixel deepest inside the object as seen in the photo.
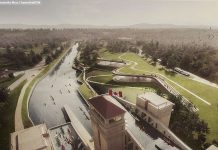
(135, 26)
(164, 26)
(60, 26)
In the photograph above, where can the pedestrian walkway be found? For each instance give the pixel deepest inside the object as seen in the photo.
(18, 112)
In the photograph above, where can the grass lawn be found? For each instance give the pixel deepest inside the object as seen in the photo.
(130, 93)
(101, 76)
(26, 122)
(6, 82)
(98, 72)
(130, 90)
(86, 92)
(209, 113)
(7, 116)
(102, 79)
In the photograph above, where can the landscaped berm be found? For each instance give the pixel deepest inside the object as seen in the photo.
(196, 128)
(203, 96)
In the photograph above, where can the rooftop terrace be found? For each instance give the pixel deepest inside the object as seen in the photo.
(155, 99)
(36, 137)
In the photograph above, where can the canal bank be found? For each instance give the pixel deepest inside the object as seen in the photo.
(55, 90)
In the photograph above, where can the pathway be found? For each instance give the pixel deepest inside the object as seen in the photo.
(134, 68)
(29, 76)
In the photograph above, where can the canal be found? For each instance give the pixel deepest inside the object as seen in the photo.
(57, 89)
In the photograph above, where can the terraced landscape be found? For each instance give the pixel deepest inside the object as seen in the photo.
(201, 95)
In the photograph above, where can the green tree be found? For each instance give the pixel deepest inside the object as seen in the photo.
(4, 93)
(171, 63)
(11, 75)
(48, 59)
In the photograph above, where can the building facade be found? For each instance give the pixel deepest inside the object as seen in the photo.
(108, 124)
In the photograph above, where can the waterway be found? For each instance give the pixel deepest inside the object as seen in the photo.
(57, 89)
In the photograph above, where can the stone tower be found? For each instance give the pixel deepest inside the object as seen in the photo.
(108, 123)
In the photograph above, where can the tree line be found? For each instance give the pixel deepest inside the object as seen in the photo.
(19, 59)
(88, 53)
(52, 52)
(24, 56)
(200, 60)
(120, 46)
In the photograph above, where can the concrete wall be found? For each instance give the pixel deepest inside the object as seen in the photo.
(163, 114)
(161, 127)
(141, 102)
(131, 143)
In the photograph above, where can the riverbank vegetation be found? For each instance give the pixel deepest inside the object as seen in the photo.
(7, 111)
(88, 54)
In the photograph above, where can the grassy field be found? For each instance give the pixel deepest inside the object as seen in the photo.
(98, 72)
(130, 93)
(7, 117)
(209, 113)
(86, 92)
(130, 90)
(6, 82)
(24, 111)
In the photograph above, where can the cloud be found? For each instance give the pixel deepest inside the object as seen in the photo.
(113, 12)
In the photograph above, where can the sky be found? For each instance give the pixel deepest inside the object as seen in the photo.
(111, 12)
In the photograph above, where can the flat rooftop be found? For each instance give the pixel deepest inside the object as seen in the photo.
(35, 137)
(105, 107)
(155, 99)
(147, 140)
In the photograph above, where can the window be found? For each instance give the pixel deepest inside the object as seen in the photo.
(118, 118)
(130, 146)
(99, 139)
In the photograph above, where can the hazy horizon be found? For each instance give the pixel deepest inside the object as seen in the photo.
(113, 12)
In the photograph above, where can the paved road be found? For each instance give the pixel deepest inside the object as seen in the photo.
(27, 74)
